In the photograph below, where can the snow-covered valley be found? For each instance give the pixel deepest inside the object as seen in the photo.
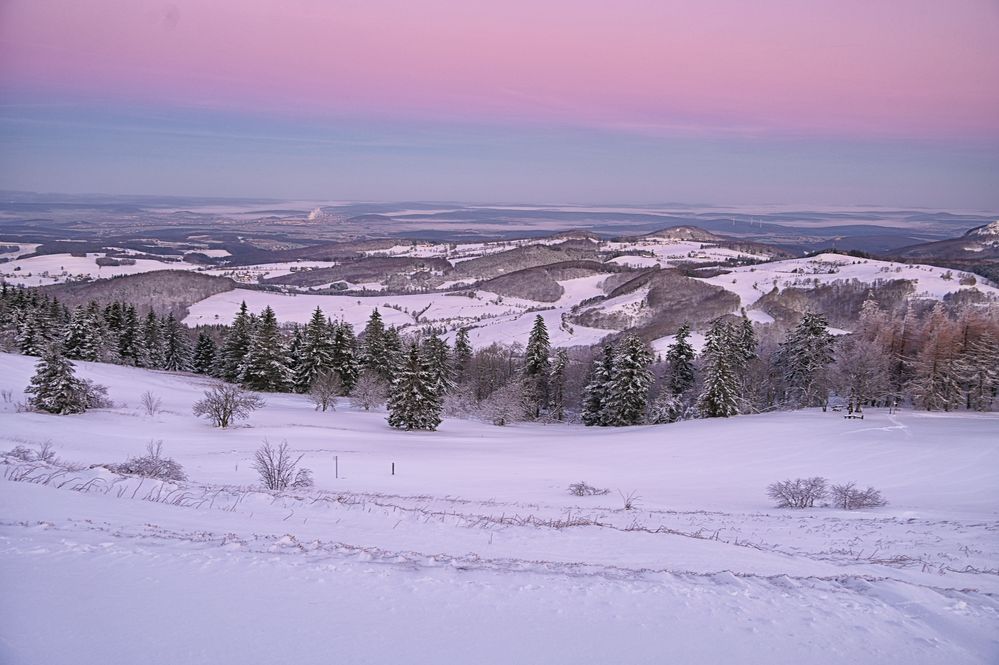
(474, 551)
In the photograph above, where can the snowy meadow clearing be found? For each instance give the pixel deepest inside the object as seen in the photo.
(474, 551)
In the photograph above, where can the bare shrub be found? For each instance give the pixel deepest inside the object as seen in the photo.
(631, 499)
(150, 403)
(7, 395)
(151, 465)
(277, 469)
(95, 395)
(46, 453)
(369, 392)
(582, 488)
(798, 493)
(848, 497)
(226, 403)
(325, 387)
(460, 402)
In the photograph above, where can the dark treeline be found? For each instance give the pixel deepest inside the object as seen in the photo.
(932, 355)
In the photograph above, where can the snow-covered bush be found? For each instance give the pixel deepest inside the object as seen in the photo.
(798, 493)
(583, 488)
(505, 405)
(226, 403)
(151, 465)
(55, 389)
(848, 497)
(278, 470)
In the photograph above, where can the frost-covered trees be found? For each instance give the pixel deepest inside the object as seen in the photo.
(176, 346)
(225, 403)
(152, 353)
(462, 354)
(376, 355)
(978, 369)
(55, 388)
(266, 365)
(628, 390)
(536, 367)
(720, 397)
(556, 385)
(803, 359)
(369, 392)
(679, 361)
(84, 336)
(343, 354)
(618, 389)
(205, 355)
(505, 405)
(236, 345)
(595, 392)
(314, 354)
(667, 408)
(324, 389)
(413, 401)
(437, 354)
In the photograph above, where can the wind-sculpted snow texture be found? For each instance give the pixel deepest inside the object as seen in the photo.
(475, 551)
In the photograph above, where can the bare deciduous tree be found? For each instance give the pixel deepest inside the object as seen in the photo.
(798, 493)
(369, 392)
(324, 389)
(226, 403)
(848, 497)
(150, 403)
(278, 470)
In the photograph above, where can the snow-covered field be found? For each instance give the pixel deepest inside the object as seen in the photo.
(475, 552)
(497, 319)
(59, 268)
(751, 283)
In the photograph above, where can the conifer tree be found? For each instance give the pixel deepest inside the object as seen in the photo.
(720, 396)
(128, 337)
(176, 346)
(680, 362)
(344, 355)
(32, 333)
(628, 390)
(595, 392)
(536, 367)
(205, 352)
(236, 345)
(152, 351)
(802, 360)
(266, 367)
(556, 385)
(374, 355)
(315, 352)
(462, 354)
(80, 340)
(437, 354)
(413, 402)
(54, 387)
(394, 350)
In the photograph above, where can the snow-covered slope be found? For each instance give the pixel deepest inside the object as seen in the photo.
(474, 551)
(751, 283)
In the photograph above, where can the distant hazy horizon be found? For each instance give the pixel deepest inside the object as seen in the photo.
(820, 103)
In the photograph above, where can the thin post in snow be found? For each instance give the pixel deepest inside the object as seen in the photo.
(336, 466)
(393, 468)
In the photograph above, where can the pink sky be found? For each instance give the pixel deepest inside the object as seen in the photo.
(856, 68)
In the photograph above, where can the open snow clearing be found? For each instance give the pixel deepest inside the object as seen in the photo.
(474, 551)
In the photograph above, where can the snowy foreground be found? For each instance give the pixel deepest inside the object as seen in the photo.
(474, 552)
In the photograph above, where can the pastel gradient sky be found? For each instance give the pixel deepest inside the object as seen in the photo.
(720, 101)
